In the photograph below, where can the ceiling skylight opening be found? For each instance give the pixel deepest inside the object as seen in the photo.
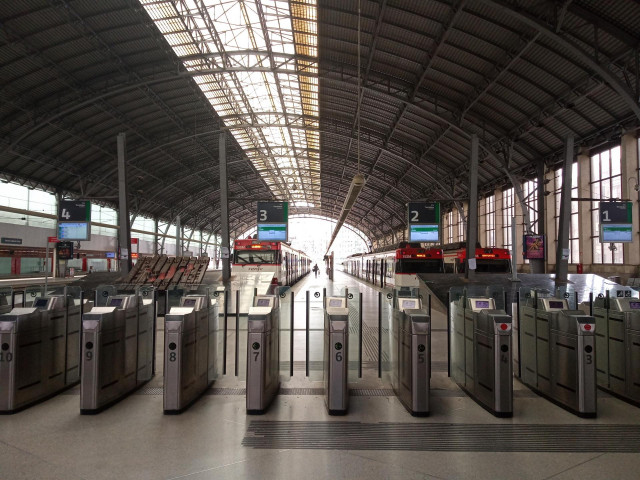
(259, 69)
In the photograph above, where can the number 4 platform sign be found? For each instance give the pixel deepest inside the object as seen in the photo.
(616, 222)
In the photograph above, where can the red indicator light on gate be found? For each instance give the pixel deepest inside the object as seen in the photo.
(504, 326)
(587, 327)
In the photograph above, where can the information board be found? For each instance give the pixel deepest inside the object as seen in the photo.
(424, 222)
(74, 211)
(616, 222)
(74, 231)
(533, 247)
(273, 221)
(64, 250)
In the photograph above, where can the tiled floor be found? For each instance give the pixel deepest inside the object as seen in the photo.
(134, 440)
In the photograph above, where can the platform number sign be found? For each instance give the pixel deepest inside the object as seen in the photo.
(74, 220)
(273, 221)
(424, 222)
(616, 222)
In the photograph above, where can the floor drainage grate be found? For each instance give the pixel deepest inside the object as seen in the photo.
(422, 436)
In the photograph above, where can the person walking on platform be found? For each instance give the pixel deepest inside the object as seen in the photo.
(316, 269)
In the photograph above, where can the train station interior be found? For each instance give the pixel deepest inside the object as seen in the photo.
(361, 239)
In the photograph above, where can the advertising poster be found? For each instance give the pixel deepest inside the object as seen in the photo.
(534, 247)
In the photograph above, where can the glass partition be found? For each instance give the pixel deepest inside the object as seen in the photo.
(353, 304)
(389, 343)
(315, 353)
(6, 294)
(286, 297)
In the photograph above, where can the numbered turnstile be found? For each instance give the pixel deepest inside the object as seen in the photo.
(189, 351)
(411, 380)
(618, 346)
(557, 353)
(39, 351)
(481, 353)
(263, 353)
(336, 355)
(117, 351)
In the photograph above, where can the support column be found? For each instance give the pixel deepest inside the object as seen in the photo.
(538, 265)
(562, 262)
(520, 215)
(155, 236)
(178, 237)
(225, 247)
(499, 219)
(629, 169)
(124, 234)
(472, 215)
(550, 223)
(584, 210)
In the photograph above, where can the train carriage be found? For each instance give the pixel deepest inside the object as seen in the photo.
(257, 256)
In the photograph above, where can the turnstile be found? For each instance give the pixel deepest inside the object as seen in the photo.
(411, 380)
(481, 353)
(336, 355)
(263, 353)
(618, 347)
(557, 353)
(117, 351)
(189, 351)
(39, 351)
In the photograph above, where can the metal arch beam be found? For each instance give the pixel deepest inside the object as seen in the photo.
(506, 8)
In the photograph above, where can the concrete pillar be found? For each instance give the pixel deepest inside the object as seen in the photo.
(472, 215)
(519, 218)
(629, 170)
(499, 219)
(539, 265)
(124, 234)
(225, 247)
(550, 222)
(562, 264)
(584, 210)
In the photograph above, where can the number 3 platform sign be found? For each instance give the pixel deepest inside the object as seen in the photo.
(273, 221)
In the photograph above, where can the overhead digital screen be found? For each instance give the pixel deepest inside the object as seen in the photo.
(482, 304)
(556, 304)
(424, 233)
(275, 232)
(74, 231)
(616, 233)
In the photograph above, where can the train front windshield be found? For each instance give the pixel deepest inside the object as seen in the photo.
(241, 257)
(419, 266)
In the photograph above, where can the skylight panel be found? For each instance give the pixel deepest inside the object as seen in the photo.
(260, 59)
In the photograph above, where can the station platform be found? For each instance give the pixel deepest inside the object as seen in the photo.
(296, 438)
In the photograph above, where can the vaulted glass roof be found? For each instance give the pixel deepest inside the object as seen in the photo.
(258, 67)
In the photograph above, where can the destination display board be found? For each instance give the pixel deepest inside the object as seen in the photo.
(273, 221)
(616, 222)
(424, 222)
(76, 231)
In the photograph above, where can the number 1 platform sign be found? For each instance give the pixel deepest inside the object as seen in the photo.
(273, 221)
(616, 222)
(424, 222)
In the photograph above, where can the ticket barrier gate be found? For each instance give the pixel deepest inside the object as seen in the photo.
(481, 354)
(411, 381)
(263, 353)
(557, 353)
(618, 347)
(39, 351)
(117, 351)
(189, 351)
(336, 355)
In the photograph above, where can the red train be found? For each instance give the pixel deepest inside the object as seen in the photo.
(400, 266)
